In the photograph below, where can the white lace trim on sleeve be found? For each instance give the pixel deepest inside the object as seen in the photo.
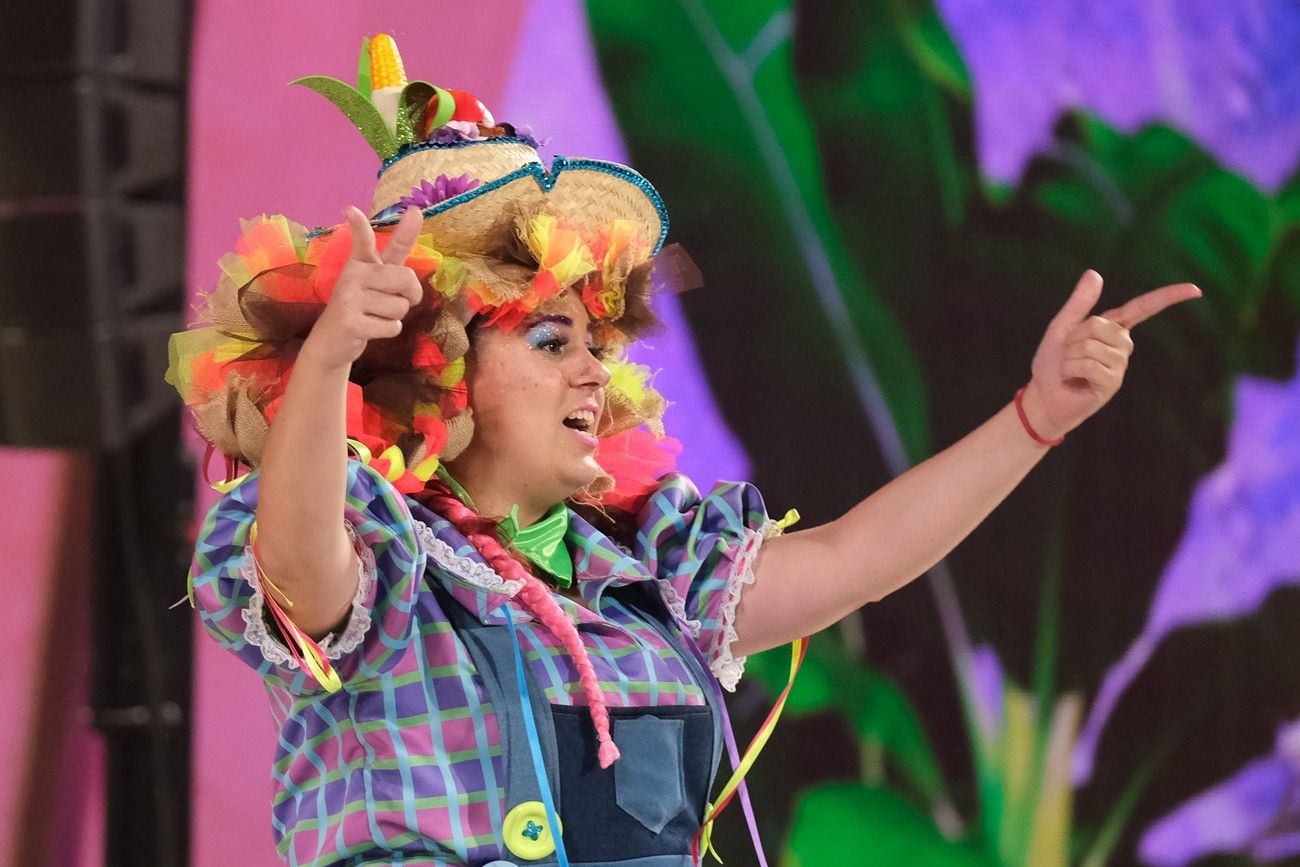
(335, 644)
(726, 668)
(474, 572)
(677, 607)
(255, 631)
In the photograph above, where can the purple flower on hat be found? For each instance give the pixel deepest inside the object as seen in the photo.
(447, 135)
(467, 129)
(454, 133)
(1255, 812)
(1242, 541)
(440, 189)
(524, 132)
(428, 194)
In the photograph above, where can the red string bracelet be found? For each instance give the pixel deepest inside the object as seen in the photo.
(1029, 429)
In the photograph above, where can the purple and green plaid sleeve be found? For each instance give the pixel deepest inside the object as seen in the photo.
(704, 548)
(223, 577)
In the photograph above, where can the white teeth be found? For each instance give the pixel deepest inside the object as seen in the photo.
(585, 418)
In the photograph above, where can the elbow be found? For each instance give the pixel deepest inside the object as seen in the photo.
(303, 557)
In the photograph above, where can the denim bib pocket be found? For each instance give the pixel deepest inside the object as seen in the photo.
(648, 777)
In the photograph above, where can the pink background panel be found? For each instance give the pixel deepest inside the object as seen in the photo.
(257, 145)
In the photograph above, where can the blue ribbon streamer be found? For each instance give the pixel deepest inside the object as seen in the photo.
(534, 743)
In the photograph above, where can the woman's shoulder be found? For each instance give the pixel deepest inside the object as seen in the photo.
(678, 492)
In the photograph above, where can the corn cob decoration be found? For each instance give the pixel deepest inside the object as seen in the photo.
(391, 112)
(387, 77)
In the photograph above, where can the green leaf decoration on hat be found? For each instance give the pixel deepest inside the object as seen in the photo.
(359, 109)
(413, 108)
(359, 106)
(446, 108)
(363, 69)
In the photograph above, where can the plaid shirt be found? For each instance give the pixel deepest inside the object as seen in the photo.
(404, 764)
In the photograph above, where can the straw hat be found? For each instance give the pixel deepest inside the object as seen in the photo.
(423, 132)
(582, 193)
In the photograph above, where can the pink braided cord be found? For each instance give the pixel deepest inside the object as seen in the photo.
(534, 595)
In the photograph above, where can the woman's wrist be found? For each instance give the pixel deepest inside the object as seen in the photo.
(317, 357)
(1033, 416)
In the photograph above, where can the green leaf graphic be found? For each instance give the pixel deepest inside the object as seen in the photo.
(706, 95)
(358, 109)
(845, 823)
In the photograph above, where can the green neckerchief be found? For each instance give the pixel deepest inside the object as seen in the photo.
(542, 542)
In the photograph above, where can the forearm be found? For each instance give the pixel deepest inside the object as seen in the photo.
(809, 580)
(913, 522)
(302, 544)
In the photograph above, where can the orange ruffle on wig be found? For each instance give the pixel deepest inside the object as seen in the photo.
(233, 370)
(407, 400)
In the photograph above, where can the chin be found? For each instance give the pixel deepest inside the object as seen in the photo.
(581, 476)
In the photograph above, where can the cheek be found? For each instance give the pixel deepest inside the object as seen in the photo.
(510, 404)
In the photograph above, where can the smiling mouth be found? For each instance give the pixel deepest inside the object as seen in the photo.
(583, 420)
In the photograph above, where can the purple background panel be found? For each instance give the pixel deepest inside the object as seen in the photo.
(1226, 73)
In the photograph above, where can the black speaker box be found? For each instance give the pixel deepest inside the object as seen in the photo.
(92, 231)
(92, 137)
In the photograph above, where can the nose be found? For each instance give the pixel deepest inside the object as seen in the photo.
(592, 372)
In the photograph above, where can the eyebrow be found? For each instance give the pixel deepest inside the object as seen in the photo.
(560, 319)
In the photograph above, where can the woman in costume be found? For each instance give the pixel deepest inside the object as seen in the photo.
(490, 623)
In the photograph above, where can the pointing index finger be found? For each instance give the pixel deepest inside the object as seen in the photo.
(1145, 306)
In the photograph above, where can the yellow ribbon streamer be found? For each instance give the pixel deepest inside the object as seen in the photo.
(791, 518)
(797, 649)
(363, 453)
(226, 487)
(308, 652)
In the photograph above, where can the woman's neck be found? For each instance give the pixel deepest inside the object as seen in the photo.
(494, 493)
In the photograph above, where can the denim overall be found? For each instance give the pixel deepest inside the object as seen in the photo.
(646, 808)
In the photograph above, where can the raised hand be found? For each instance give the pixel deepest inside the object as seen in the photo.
(1081, 360)
(374, 292)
